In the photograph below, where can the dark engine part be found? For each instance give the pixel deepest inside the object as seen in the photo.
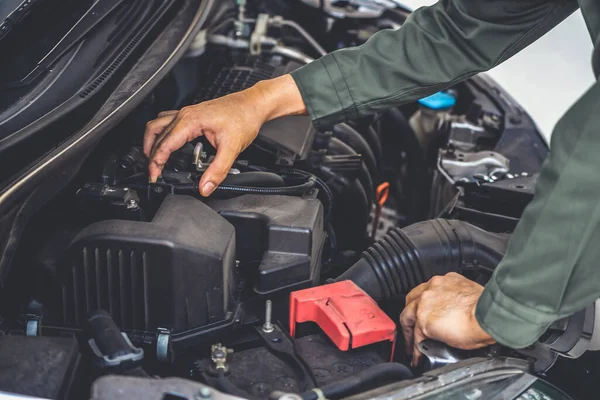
(43, 367)
(260, 371)
(235, 73)
(174, 273)
(382, 373)
(283, 235)
(405, 258)
(112, 350)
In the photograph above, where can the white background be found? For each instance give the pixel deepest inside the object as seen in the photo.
(548, 76)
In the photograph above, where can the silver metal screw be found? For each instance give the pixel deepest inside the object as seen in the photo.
(268, 326)
(132, 204)
(204, 393)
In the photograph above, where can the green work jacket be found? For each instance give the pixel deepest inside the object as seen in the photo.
(552, 266)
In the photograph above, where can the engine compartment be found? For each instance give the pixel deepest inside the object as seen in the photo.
(184, 281)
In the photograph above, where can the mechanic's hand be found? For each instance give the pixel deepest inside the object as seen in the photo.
(443, 309)
(229, 123)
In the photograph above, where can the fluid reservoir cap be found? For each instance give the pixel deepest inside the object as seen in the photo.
(438, 101)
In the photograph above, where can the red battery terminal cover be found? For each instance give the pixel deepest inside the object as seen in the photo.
(347, 315)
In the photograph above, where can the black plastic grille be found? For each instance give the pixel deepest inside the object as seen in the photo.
(231, 78)
(111, 279)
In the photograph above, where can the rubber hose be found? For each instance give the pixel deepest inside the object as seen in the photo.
(377, 374)
(256, 179)
(337, 147)
(352, 138)
(285, 190)
(352, 216)
(405, 258)
(325, 190)
(418, 181)
(226, 386)
(371, 136)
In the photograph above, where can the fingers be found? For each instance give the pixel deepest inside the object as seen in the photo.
(169, 112)
(155, 128)
(172, 140)
(408, 319)
(416, 292)
(218, 169)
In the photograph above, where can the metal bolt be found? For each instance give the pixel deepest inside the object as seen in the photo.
(268, 326)
(204, 393)
(132, 204)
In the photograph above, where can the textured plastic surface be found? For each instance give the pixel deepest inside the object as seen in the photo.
(347, 315)
(438, 101)
(405, 258)
(175, 272)
(259, 372)
(238, 74)
(284, 234)
(38, 366)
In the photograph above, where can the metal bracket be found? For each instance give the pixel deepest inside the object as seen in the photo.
(199, 157)
(364, 8)
(163, 341)
(438, 354)
(201, 161)
(260, 31)
(457, 166)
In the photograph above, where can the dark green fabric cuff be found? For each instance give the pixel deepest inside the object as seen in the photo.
(510, 323)
(325, 92)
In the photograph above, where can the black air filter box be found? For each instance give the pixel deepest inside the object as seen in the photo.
(282, 235)
(175, 272)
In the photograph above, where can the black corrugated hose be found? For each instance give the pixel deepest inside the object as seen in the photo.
(405, 258)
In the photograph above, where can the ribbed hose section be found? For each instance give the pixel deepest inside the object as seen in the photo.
(405, 258)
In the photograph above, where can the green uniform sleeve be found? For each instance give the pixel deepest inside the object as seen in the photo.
(552, 265)
(437, 47)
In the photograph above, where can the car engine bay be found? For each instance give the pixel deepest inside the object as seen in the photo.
(291, 276)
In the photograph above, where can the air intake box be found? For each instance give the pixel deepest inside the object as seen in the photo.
(282, 235)
(175, 272)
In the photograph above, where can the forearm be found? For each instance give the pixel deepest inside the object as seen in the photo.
(551, 267)
(277, 98)
(437, 47)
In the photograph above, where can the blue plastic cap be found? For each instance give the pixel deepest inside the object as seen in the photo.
(438, 101)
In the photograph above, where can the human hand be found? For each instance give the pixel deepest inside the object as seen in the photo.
(229, 123)
(443, 309)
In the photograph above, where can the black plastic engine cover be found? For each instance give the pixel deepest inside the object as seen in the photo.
(229, 73)
(44, 367)
(283, 234)
(175, 272)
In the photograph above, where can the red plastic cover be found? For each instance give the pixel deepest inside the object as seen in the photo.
(347, 315)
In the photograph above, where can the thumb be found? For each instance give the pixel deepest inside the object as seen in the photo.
(217, 170)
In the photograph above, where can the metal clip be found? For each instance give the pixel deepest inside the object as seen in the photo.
(201, 161)
(33, 325)
(199, 157)
(163, 339)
